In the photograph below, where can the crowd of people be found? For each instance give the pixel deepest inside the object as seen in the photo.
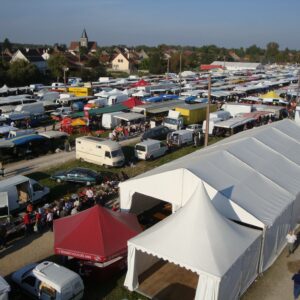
(41, 218)
(126, 131)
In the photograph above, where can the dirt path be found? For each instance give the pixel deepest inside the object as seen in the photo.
(25, 250)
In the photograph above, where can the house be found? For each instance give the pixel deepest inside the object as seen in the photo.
(84, 42)
(31, 56)
(124, 63)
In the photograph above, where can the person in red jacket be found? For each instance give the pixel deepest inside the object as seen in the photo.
(27, 223)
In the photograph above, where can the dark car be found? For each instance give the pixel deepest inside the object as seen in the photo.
(156, 133)
(80, 175)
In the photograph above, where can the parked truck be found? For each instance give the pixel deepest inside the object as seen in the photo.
(186, 114)
(17, 191)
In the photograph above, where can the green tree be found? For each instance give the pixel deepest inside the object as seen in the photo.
(22, 73)
(157, 64)
(56, 64)
(272, 51)
(144, 65)
(3, 72)
(6, 44)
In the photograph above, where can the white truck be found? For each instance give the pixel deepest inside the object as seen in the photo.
(174, 120)
(17, 191)
(180, 138)
(99, 151)
(48, 280)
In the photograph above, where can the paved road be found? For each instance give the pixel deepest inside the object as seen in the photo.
(47, 161)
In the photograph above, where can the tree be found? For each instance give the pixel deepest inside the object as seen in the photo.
(144, 65)
(157, 65)
(22, 73)
(3, 72)
(272, 51)
(6, 44)
(56, 64)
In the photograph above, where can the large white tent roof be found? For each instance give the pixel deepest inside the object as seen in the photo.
(197, 238)
(257, 169)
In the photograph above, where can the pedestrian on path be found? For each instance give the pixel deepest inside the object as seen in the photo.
(291, 239)
(296, 279)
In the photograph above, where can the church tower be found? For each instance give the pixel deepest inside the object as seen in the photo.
(84, 39)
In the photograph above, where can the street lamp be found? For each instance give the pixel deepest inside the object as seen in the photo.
(65, 69)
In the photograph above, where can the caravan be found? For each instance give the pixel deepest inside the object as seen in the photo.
(99, 151)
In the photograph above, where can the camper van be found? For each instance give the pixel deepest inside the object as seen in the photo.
(48, 280)
(99, 151)
(17, 191)
(180, 138)
(150, 149)
(211, 127)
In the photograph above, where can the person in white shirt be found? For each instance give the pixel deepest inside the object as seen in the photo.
(291, 239)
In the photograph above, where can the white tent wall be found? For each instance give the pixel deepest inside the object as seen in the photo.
(175, 187)
(274, 241)
(138, 262)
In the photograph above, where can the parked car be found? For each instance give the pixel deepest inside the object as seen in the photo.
(156, 133)
(195, 128)
(48, 280)
(80, 175)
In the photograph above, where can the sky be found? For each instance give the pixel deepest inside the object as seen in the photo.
(225, 23)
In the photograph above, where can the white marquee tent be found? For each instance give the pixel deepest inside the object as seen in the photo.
(252, 177)
(224, 254)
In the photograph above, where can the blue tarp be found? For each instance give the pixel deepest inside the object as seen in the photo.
(23, 139)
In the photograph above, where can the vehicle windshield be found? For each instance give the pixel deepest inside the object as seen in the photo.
(171, 121)
(140, 148)
(116, 153)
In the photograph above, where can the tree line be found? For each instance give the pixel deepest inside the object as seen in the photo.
(160, 59)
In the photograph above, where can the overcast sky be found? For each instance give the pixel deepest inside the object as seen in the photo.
(228, 23)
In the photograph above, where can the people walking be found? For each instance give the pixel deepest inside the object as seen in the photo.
(291, 239)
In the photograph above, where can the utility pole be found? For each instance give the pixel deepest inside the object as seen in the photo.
(168, 67)
(180, 63)
(207, 111)
(298, 89)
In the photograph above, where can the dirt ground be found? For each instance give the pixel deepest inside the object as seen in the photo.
(275, 284)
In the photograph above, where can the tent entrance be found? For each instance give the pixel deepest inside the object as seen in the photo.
(168, 281)
(158, 210)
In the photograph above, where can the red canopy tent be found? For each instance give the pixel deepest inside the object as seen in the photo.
(96, 234)
(131, 102)
(141, 82)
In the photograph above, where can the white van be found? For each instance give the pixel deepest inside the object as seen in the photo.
(150, 149)
(16, 191)
(48, 280)
(99, 151)
(180, 138)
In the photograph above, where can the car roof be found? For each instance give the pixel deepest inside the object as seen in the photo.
(148, 142)
(53, 274)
